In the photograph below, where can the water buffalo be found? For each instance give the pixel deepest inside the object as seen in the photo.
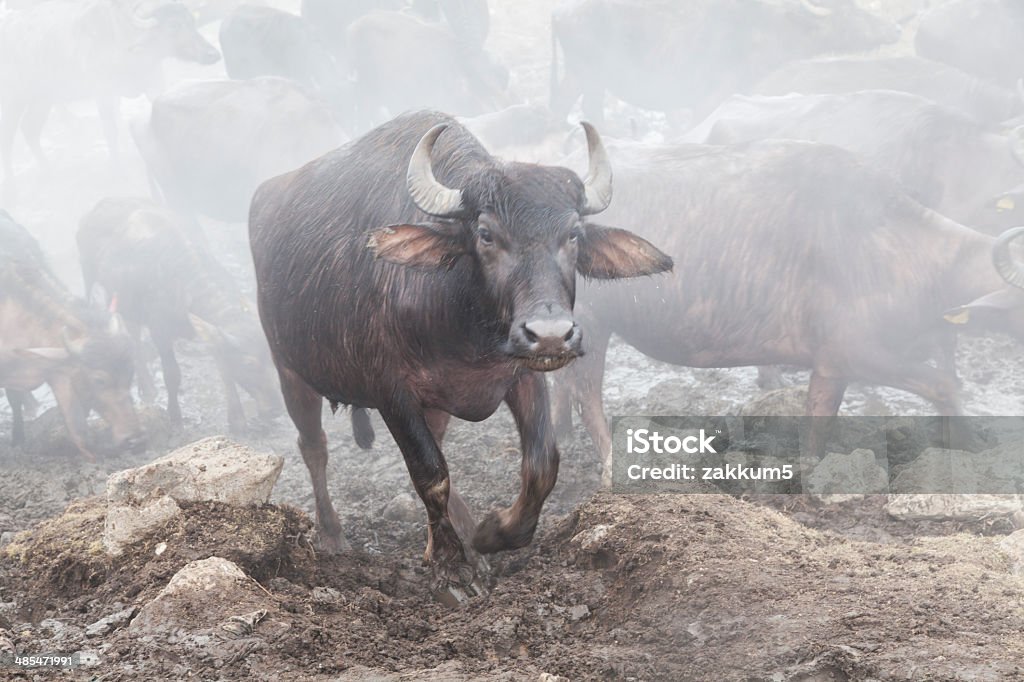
(787, 253)
(985, 102)
(944, 159)
(173, 286)
(58, 52)
(381, 285)
(47, 336)
(983, 37)
(263, 41)
(691, 54)
(208, 145)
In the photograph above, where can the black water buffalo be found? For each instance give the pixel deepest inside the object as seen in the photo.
(788, 253)
(170, 284)
(985, 102)
(983, 37)
(691, 54)
(208, 145)
(384, 286)
(944, 159)
(58, 52)
(47, 336)
(403, 62)
(263, 41)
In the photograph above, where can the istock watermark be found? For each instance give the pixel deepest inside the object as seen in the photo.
(857, 455)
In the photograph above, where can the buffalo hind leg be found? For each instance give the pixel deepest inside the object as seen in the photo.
(514, 527)
(824, 396)
(454, 580)
(304, 406)
(583, 381)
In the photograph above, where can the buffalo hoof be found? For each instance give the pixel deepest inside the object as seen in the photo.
(332, 544)
(492, 535)
(455, 584)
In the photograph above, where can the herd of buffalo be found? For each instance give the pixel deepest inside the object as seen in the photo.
(821, 191)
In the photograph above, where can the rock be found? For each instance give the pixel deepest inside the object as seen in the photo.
(783, 402)
(403, 507)
(127, 524)
(548, 677)
(110, 623)
(326, 595)
(200, 597)
(579, 612)
(939, 507)
(838, 477)
(6, 537)
(1013, 546)
(213, 469)
(591, 538)
(954, 484)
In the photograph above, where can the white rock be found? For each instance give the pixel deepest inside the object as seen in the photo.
(839, 477)
(213, 469)
(199, 596)
(128, 523)
(591, 538)
(938, 507)
(954, 484)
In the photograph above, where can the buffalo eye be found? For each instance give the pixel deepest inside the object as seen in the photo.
(575, 233)
(485, 236)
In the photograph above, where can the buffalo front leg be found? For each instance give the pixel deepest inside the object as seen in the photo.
(514, 527)
(458, 510)
(454, 579)
(172, 375)
(304, 406)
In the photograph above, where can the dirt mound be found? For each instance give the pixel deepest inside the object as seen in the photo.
(650, 587)
(63, 559)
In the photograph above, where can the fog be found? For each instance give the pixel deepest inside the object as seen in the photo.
(830, 177)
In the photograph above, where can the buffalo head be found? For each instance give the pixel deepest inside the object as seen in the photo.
(525, 229)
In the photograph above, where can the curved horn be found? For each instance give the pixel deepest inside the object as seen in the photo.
(1008, 269)
(598, 185)
(427, 193)
(816, 10)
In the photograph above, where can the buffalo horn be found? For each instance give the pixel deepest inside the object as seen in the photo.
(598, 185)
(427, 193)
(1010, 270)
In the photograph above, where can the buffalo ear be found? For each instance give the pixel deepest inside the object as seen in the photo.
(611, 253)
(426, 245)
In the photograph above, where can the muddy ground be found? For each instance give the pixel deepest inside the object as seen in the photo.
(652, 587)
(646, 587)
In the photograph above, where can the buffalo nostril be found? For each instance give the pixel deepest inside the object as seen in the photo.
(549, 329)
